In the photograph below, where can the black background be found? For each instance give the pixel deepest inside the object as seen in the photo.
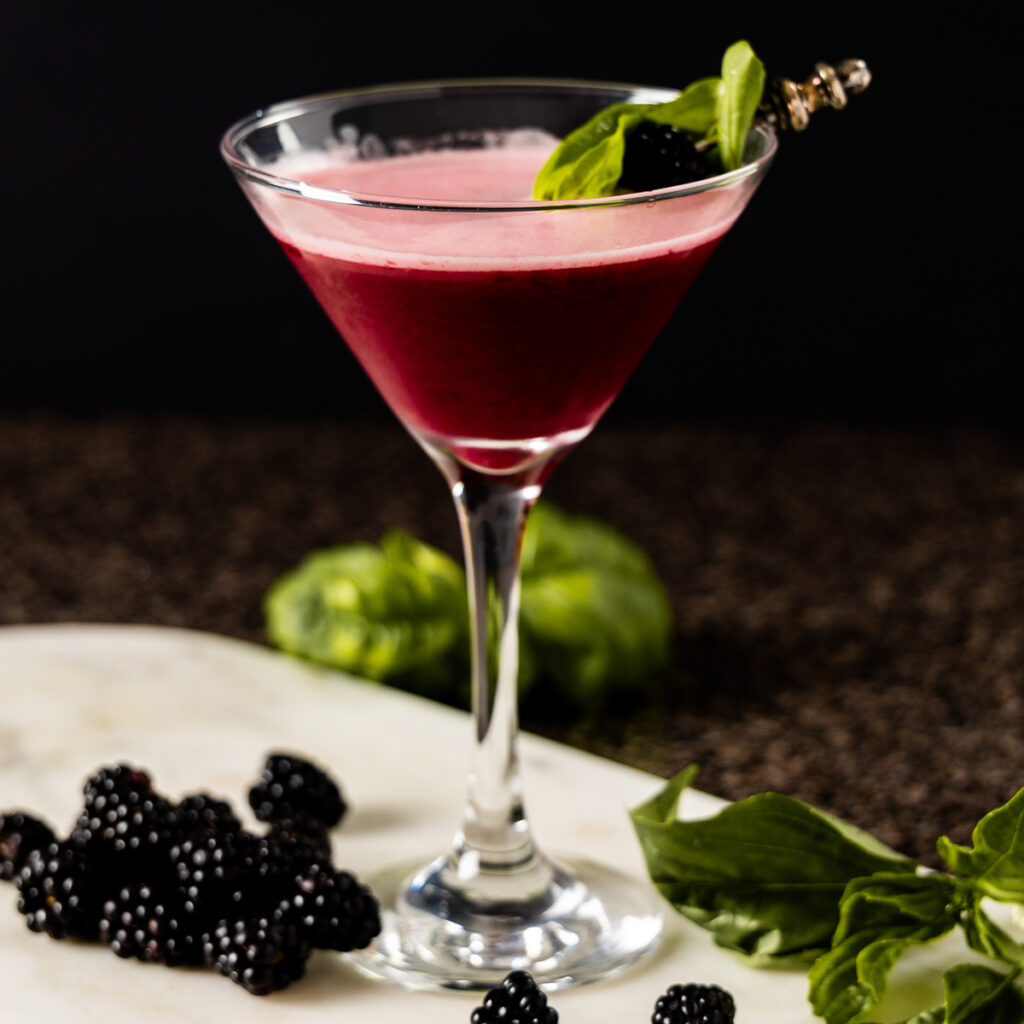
(868, 279)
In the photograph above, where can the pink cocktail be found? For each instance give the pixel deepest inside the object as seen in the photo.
(498, 329)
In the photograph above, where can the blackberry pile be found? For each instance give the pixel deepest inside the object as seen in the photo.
(185, 883)
(519, 1000)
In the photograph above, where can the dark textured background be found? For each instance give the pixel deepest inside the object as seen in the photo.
(823, 455)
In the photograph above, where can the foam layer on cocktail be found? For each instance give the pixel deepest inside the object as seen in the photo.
(495, 326)
(463, 178)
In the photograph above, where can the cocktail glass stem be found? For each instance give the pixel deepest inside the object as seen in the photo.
(492, 517)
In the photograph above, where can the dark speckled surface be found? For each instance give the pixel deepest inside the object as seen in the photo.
(850, 599)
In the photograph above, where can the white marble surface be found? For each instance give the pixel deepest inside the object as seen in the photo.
(200, 712)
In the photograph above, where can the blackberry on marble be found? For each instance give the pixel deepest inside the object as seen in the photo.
(258, 953)
(294, 789)
(213, 870)
(123, 814)
(60, 892)
(300, 844)
(20, 834)
(517, 1000)
(332, 909)
(694, 1004)
(150, 923)
(200, 812)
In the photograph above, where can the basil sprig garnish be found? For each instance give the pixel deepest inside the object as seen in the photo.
(588, 162)
(782, 884)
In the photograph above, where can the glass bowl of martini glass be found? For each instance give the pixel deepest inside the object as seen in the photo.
(498, 329)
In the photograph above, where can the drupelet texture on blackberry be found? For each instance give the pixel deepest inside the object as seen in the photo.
(694, 1004)
(122, 815)
(658, 155)
(150, 923)
(517, 1000)
(301, 843)
(20, 834)
(331, 909)
(61, 892)
(199, 812)
(294, 789)
(260, 954)
(215, 871)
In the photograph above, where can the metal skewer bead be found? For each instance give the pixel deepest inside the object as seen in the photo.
(789, 105)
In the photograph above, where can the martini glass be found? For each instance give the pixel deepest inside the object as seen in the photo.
(498, 329)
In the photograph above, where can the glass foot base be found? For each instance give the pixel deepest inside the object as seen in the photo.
(590, 922)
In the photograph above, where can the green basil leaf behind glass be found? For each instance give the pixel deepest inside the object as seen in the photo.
(880, 918)
(594, 616)
(979, 995)
(764, 875)
(996, 863)
(738, 99)
(395, 612)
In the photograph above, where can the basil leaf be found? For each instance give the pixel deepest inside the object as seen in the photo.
(394, 612)
(738, 99)
(936, 1016)
(880, 918)
(764, 875)
(995, 865)
(588, 163)
(979, 995)
(593, 616)
(985, 936)
(694, 110)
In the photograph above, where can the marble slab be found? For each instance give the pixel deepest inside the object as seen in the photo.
(200, 712)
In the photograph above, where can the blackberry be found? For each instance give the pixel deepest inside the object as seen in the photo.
(694, 1004)
(301, 843)
(293, 789)
(517, 1000)
(200, 812)
(658, 155)
(331, 909)
(150, 923)
(214, 871)
(123, 815)
(20, 834)
(261, 955)
(61, 892)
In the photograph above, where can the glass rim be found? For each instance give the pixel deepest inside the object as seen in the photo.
(279, 112)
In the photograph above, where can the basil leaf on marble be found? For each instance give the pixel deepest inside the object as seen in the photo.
(764, 875)
(985, 936)
(738, 99)
(979, 995)
(995, 863)
(880, 918)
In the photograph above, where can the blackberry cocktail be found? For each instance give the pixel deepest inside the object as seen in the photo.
(498, 328)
